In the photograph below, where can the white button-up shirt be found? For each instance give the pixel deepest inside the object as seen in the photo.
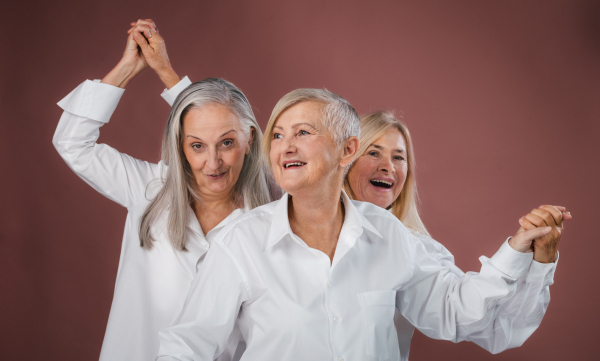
(151, 285)
(291, 303)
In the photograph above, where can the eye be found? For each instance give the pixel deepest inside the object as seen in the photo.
(196, 146)
(277, 136)
(227, 143)
(399, 158)
(303, 132)
(373, 153)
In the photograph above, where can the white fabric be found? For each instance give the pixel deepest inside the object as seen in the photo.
(151, 285)
(292, 304)
(169, 95)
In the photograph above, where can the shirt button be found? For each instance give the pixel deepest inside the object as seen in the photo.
(336, 320)
(329, 284)
(340, 359)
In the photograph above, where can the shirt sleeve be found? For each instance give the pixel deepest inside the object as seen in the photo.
(117, 176)
(497, 308)
(169, 95)
(204, 327)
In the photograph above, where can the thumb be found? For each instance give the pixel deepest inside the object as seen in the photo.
(530, 235)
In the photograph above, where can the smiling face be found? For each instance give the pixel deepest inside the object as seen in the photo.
(214, 146)
(303, 155)
(379, 174)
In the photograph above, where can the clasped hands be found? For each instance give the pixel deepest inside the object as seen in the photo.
(540, 232)
(145, 48)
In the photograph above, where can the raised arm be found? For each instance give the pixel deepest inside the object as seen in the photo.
(152, 46)
(118, 176)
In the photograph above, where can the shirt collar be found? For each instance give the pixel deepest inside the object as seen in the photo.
(352, 228)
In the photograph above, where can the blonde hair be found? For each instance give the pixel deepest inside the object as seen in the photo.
(339, 117)
(373, 126)
(178, 189)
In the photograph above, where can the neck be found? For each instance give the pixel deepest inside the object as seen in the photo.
(212, 210)
(317, 219)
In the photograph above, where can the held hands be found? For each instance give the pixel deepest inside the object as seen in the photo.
(540, 232)
(145, 47)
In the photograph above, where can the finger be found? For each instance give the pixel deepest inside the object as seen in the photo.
(548, 217)
(526, 225)
(532, 234)
(142, 42)
(147, 22)
(535, 219)
(145, 29)
(567, 216)
(560, 208)
(555, 212)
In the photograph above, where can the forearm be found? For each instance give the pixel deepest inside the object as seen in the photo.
(121, 75)
(445, 306)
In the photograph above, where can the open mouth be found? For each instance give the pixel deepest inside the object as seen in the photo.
(216, 176)
(381, 183)
(293, 165)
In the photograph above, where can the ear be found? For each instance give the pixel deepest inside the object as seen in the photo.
(350, 147)
(252, 132)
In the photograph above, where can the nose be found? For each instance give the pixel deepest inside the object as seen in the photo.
(386, 165)
(289, 146)
(214, 159)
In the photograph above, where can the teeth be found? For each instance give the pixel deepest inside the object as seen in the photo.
(382, 181)
(295, 163)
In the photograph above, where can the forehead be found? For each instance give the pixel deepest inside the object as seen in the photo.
(303, 112)
(391, 139)
(209, 118)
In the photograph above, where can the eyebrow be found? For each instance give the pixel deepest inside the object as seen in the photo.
(380, 148)
(296, 125)
(222, 135)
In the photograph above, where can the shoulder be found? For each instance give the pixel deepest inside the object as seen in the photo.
(251, 228)
(380, 218)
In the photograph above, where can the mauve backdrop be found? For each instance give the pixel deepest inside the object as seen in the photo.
(502, 99)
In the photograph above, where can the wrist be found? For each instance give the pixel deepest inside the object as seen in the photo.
(120, 75)
(168, 76)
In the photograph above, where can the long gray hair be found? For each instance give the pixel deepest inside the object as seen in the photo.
(178, 190)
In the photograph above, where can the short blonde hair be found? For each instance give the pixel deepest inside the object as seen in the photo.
(339, 117)
(373, 126)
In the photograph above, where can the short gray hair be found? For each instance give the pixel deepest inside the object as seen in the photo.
(338, 116)
(178, 190)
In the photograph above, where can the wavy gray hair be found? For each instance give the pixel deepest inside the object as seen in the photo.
(179, 185)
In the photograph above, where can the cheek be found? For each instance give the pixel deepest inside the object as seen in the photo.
(192, 158)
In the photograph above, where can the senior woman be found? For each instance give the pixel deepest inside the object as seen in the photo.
(316, 276)
(383, 173)
(211, 172)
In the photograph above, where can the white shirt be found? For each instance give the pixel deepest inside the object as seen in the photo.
(151, 285)
(291, 304)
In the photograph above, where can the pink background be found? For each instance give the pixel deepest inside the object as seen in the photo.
(502, 99)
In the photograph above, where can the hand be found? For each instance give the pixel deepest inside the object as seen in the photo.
(131, 64)
(548, 220)
(152, 46)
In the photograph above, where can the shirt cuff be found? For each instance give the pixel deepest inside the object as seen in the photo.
(510, 261)
(93, 100)
(169, 95)
(542, 271)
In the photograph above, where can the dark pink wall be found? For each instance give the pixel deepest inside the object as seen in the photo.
(502, 98)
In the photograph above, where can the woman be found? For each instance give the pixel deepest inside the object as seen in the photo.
(210, 173)
(383, 173)
(318, 276)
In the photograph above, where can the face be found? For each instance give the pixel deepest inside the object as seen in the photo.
(379, 175)
(303, 155)
(214, 145)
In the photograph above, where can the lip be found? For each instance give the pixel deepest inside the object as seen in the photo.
(381, 189)
(216, 176)
(293, 167)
